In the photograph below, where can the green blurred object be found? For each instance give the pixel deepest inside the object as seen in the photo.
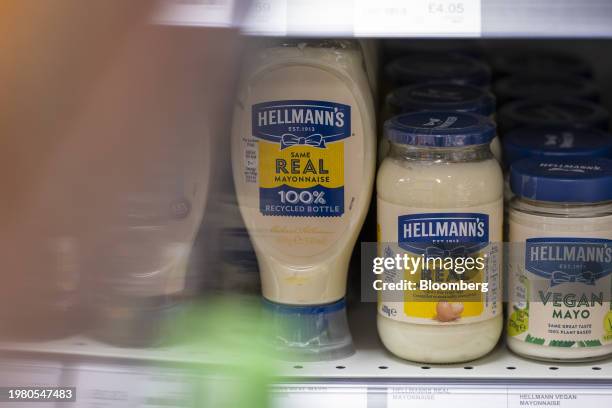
(234, 335)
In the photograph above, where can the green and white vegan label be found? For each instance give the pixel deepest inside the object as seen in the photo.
(561, 294)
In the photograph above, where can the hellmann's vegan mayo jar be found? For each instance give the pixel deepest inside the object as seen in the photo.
(560, 264)
(303, 155)
(440, 97)
(440, 195)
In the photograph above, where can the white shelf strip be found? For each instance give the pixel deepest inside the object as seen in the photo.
(370, 361)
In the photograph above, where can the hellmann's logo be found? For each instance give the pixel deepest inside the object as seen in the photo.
(300, 115)
(301, 122)
(451, 232)
(569, 260)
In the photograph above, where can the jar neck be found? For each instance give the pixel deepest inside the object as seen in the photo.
(565, 210)
(443, 154)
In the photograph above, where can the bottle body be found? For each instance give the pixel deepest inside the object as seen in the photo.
(449, 186)
(303, 157)
(303, 161)
(549, 316)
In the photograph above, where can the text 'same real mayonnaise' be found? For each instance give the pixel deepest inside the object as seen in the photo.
(560, 264)
(439, 97)
(303, 148)
(440, 192)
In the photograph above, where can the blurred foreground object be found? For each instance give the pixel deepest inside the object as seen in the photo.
(235, 332)
(107, 126)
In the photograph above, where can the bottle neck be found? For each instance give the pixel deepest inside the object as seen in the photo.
(442, 154)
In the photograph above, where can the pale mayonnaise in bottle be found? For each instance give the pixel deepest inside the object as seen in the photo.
(303, 149)
(440, 190)
(560, 265)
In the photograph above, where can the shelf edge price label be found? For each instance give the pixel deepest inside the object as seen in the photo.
(461, 18)
(266, 17)
(319, 395)
(195, 13)
(564, 397)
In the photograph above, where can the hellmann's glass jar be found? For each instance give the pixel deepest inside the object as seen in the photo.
(440, 196)
(560, 266)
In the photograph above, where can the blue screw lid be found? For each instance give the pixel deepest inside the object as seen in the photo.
(578, 180)
(441, 96)
(438, 67)
(545, 87)
(310, 332)
(540, 63)
(554, 142)
(440, 129)
(569, 113)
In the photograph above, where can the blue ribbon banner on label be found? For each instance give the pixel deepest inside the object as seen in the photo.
(288, 140)
(443, 234)
(568, 260)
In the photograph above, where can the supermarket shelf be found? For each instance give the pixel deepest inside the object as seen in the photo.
(371, 378)
(398, 18)
(370, 361)
(84, 347)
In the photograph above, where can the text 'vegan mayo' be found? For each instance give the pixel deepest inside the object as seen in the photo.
(303, 148)
(560, 264)
(440, 191)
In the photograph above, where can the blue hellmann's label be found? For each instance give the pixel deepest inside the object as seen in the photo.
(564, 260)
(301, 122)
(443, 234)
(301, 156)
